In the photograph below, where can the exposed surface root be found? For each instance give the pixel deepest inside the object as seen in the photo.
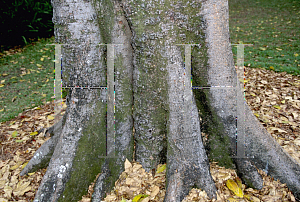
(135, 183)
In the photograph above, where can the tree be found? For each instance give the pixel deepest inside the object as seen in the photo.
(157, 116)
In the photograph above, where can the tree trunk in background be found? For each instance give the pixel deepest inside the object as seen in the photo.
(154, 104)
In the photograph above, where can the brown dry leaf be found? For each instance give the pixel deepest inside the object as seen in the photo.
(127, 164)
(234, 200)
(130, 181)
(21, 188)
(297, 141)
(155, 190)
(85, 200)
(13, 180)
(8, 191)
(278, 129)
(17, 165)
(49, 117)
(2, 183)
(14, 126)
(147, 199)
(251, 198)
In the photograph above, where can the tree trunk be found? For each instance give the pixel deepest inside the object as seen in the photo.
(155, 107)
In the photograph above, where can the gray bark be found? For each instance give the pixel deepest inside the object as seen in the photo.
(260, 147)
(77, 156)
(157, 28)
(187, 161)
(152, 96)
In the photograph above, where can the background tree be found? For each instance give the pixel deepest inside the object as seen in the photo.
(23, 21)
(155, 107)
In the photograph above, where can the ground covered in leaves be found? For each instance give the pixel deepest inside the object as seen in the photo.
(273, 97)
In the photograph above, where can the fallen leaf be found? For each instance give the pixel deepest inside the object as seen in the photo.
(278, 129)
(14, 126)
(127, 164)
(49, 117)
(263, 82)
(21, 188)
(23, 166)
(234, 188)
(16, 166)
(277, 107)
(234, 200)
(8, 191)
(14, 134)
(252, 198)
(2, 183)
(147, 199)
(297, 141)
(33, 133)
(161, 168)
(239, 182)
(139, 197)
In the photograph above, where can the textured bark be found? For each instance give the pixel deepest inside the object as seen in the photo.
(149, 82)
(225, 105)
(77, 156)
(159, 96)
(152, 97)
(70, 157)
(120, 33)
(187, 161)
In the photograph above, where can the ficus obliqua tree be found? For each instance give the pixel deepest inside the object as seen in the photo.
(149, 50)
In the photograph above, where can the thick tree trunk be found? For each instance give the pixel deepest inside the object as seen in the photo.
(154, 104)
(221, 107)
(81, 145)
(159, 97)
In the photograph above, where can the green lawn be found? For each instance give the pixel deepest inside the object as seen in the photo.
(272, 26)
(26, 79)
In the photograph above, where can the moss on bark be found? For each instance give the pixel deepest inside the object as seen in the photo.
(87, 163)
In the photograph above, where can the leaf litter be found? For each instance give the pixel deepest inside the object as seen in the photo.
(273, 97)
(19, 139)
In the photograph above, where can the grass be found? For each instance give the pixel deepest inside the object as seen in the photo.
(26, 79)
(271, 25)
